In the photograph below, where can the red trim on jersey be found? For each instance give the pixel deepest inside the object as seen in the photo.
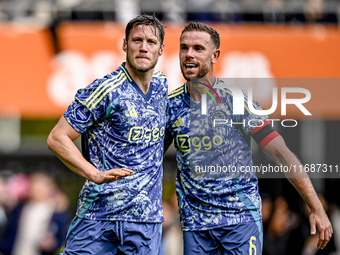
(266, 122)
(268, 138)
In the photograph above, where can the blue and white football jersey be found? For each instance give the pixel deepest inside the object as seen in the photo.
(215, 185)
(123, 128)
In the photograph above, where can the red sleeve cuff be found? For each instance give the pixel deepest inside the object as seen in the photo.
(268, 139)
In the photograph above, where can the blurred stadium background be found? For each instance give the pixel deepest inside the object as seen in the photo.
(50, 48)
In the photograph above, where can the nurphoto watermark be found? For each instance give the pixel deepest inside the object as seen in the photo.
(224, 122)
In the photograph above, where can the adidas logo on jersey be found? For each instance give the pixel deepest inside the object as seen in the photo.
(178, 123)
(132, 113)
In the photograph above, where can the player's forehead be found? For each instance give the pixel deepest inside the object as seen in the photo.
(148, 31)
(191, 38)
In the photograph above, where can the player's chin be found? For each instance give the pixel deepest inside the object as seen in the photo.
(189, 76)
(145, 67)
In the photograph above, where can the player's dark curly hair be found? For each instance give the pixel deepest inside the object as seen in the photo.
(198, 26)
(147, 20)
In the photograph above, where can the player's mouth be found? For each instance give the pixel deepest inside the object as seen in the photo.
(142, 57)
(190, 66)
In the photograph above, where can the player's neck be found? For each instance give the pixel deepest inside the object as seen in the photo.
(142, 79)
(198, 88)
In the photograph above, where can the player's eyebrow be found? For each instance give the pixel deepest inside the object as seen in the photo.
(153, 29)
(194, 45)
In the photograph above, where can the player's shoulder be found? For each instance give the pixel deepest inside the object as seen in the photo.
(224, 88)
(160, 79)
(101, 88)
(114, 78)
(158, 75)
(177, 94)
(176, 101)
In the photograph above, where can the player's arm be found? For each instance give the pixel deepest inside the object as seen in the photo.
(60, 141)
(279, 152)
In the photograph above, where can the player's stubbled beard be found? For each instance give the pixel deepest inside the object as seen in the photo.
(201, 73)
(144, 70)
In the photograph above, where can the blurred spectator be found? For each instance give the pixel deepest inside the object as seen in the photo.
(273, 12)
(3, 15)
(276, 230)
(3, 216)
(67, 3)
(175, 11)
(15, 190)
(37, 225)
(37, 11)
(14, 9)
(126, 10)
(228, 11)
(315, 12)
(200, 10)
(252, 10)
(267, 209)
(90, 10)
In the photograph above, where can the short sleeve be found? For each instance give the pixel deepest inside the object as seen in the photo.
(249, 120)
(89, 106)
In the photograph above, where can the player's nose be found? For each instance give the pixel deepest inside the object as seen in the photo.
(143, 47)
(189, 53)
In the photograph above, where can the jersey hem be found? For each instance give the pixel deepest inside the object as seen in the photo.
(210, 227)
(123, 219)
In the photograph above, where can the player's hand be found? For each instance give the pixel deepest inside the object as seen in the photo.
(319, 221)
(111, 175)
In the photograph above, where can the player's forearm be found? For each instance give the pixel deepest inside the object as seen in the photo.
(297, 175)
(300, 180)
(307, 192)
(68, 153)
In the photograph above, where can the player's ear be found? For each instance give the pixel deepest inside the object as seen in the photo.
(124, 47)
(161, 50)
(216, 55)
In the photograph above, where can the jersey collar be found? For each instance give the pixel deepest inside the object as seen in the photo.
(134, 84)
(187, 98)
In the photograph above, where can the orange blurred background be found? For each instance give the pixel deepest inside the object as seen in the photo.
(36, 82)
